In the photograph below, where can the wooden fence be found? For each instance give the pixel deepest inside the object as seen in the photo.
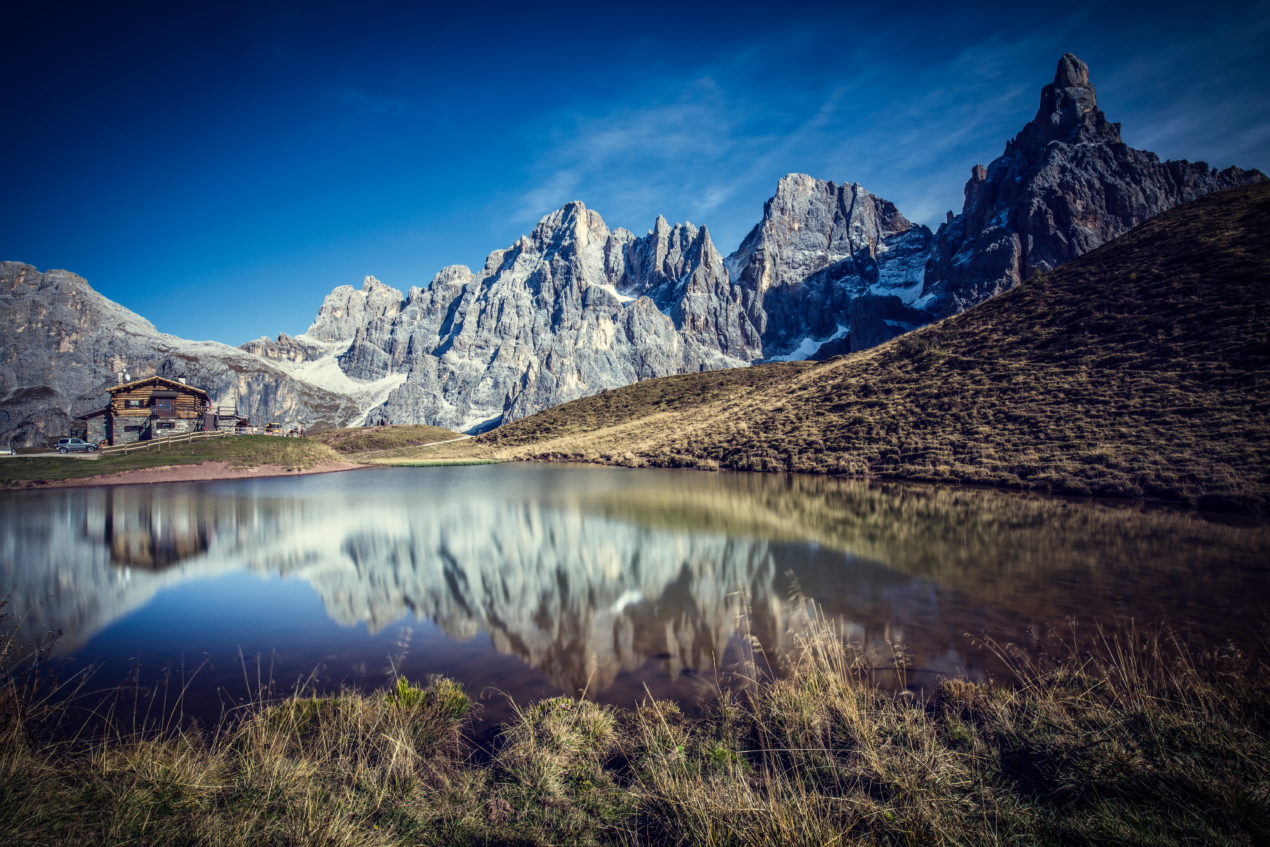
(158, 443)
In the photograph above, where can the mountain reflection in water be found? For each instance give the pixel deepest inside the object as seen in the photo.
(588, 575)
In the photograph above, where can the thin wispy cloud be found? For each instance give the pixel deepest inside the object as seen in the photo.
(716, 151)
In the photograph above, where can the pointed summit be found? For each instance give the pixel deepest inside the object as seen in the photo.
(569, 211)
(1063, 186)
(1071, 72)
(1068, 112)
(571, 224)
(796, 184)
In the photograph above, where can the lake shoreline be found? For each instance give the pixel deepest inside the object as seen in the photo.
(212, 470)
(202, 472)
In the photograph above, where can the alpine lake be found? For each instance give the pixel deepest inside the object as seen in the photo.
(524, 581)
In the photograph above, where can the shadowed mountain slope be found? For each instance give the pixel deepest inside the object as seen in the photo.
(1138, 369)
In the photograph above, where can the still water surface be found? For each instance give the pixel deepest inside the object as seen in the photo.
(533, 580)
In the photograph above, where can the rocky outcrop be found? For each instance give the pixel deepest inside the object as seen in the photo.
(818, 249)
(1065, 185)
(286, 349)
(346, 310)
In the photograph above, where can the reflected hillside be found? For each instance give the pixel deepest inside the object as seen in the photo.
(1044, 556)
(585, 573)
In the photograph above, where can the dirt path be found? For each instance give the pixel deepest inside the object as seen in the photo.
(447, 441)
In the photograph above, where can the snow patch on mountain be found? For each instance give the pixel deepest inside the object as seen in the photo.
(808, 347)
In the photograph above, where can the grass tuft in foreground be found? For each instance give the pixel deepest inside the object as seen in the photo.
(1126, 740)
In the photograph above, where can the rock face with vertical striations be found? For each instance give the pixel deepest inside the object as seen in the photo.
(819, 248)
(567, 311)
(1065, 185)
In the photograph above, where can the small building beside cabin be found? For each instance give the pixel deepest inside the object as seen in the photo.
(148, 408)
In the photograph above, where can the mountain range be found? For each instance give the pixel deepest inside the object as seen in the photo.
(575, 308)
(1137, 369)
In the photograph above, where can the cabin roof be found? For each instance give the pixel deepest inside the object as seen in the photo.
(176, 384)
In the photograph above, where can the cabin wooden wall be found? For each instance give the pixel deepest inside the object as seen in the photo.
(185, 405)
(141, 422)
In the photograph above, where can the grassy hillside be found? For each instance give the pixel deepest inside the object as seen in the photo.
(236, 451)
(340, 445)
(1139, 369)
(366, 439)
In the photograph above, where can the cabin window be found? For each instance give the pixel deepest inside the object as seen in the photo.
(134, 404)
(132, 429)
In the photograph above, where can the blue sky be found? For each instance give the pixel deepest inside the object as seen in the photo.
(219, 167)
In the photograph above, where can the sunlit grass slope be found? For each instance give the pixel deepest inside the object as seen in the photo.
(238, 451)
(368, 439)
(1139, 369)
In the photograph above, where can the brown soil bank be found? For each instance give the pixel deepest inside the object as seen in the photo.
(1139, 369)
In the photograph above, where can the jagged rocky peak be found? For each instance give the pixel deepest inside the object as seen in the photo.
(451, 276)
(1069, 111)
(1064, 185)
(659, 265)
(345, 309)
(820, 247)
(570, 309)
(808, 225)
(573, 224)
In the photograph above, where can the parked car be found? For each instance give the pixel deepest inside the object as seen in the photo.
(74, 445)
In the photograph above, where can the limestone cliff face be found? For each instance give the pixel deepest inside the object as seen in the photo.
(818, 250)
(345, 310)
(571, 309)
(1065, 185)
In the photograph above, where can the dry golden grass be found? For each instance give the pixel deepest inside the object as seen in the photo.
(374, 439)
(1128, 740)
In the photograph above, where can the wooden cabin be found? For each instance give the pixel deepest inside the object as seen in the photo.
(150, 408)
